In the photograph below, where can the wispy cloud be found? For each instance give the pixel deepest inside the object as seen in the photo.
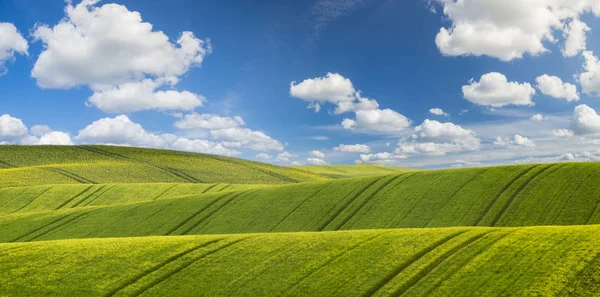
(327, 11)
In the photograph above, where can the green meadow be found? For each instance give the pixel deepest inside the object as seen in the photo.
(114, 221)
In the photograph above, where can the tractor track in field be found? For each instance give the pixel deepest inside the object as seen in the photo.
(390, 276)
(300, 205)
(347, 204)
(155, 268)
(73, 198)
(331, 260)
(506, 187)
(32, 200)
(172, 171)
(366, 201)
(70, 175)
(186, 265)
(520, 189)
(433, 265)
(219, 208)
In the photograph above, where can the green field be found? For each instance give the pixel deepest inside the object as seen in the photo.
(39, 165)
(98, 228)
(343, 171)
(533, 261)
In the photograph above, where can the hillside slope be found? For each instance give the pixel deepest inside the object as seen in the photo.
(345, 171)
(533, 261)
(38, 165)
(524, 195)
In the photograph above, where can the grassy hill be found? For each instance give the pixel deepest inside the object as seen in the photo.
(532, 261)
(114, 221)
(38, 165)
(523, 195)
(344, 171)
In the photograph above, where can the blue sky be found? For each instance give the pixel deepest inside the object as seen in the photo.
(235, 78)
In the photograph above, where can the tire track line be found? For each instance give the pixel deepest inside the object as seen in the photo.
(520, 189)
(73, 198)
(300, 205)
(506, 187)
(419, 255)
(347, 204)
(31, 201)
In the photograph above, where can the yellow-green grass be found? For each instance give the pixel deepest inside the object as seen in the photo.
(344, 171)
(525, 195)
(38, 165)
(527, 261)
(55, 197)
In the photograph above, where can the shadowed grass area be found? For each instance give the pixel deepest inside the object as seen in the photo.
(345, 171)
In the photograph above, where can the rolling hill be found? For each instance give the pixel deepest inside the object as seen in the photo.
(522, 195)
(115, 221)
(345, 171)
(530, 261)
(38, 165)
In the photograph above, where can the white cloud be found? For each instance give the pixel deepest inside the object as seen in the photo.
(353, 106)
(264, 156)
(11, 43)
(317, 154)
(493, 89)
(537, 117)
(585, 121)
(378, 120)
(11, 129)
(55, 138)
(589, 79)
(511, 28)
(39, 130)
(555, 87)
(331, 88)
(246, 138)
(315, 106)
(121, 130)
(574, 32)
(353, 148)
(433, 137)
(203, 146)
(562, 133)
(384, 158)
(438, 111)
(208, 121)
(136, 96)
(515, 141)
(120, 57)
(316, 161)
(285, 157)
(318, 137)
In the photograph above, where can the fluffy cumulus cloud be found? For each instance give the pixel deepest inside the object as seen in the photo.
(317, 154)
(208, 121)
(245, 138)
(555, 87)
(562, 133)
(264, 156)
(332, 88)
(11, 43)
(493, 89)
(515, 141)
(589, 78)
(336, 89)
(316, 161)
(203, 146)
(384, 158)
(438, 111)
(11, 129)
(435, 138)
(353, 148)
(120, 57)
(537, 117)
(378, 121)
(285, 157)
(143, 95)
(585, 121)
(120, 130)
(511, 28)
(14, 131)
